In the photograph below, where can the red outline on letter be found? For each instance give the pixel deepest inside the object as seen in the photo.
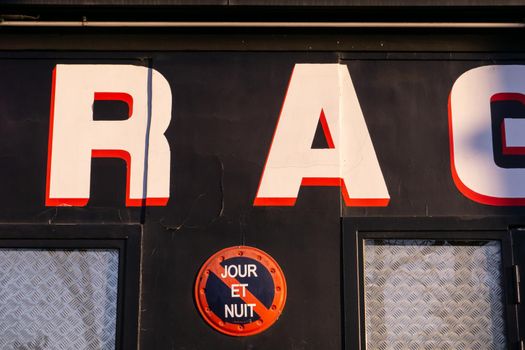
(122, 154)
(509, 97)
(116, 96)
(326, 130)
(318, 181)
(56, 202)
(466, 191)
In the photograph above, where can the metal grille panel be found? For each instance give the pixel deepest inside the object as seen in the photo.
(433, 295)
(58, 299)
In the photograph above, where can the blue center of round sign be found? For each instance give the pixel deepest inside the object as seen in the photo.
(240, 291)
(227, 303)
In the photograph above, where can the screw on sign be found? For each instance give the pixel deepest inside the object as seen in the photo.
(240, 291)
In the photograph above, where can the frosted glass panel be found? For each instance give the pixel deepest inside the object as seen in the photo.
(58, 299)
(433, 295)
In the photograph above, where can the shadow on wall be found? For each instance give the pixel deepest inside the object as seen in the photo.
(487, 134)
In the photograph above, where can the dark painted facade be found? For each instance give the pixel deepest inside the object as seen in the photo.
(228, 87)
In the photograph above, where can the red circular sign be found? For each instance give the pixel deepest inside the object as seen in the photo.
(240, 291)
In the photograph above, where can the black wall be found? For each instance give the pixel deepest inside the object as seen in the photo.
(226, 103)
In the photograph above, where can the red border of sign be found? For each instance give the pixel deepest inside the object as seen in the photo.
(267, 316)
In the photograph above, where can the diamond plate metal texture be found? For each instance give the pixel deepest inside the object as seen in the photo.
(58, 299)
(433, 295)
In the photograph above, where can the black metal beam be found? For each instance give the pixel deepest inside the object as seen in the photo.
(300, 3)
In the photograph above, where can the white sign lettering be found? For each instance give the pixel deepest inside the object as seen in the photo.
(326, 92)
(474, 169)
(75, 138)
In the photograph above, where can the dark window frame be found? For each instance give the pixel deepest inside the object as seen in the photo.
(356, 230)
(125, 238)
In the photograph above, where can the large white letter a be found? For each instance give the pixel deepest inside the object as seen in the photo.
(322, 91)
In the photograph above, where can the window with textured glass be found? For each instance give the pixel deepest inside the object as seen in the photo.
(58, 299)
(426, 294)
